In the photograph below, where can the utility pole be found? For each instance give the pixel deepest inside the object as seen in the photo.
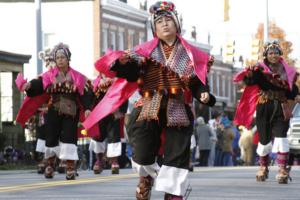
(39, 40)
(266, 24)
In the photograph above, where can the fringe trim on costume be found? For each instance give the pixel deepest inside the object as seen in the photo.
(150, 107)
(176, 113)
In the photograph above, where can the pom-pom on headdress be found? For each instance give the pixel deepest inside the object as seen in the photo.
(46, 55)
(274, 45)
(164, 8)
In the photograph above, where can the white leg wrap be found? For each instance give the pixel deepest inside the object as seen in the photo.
(68, 151)
(281, 145)
(40, 146)
(172, 180)
(114, 149)
(97, 147)
(51, 151)
(145, 170)
(263, 150)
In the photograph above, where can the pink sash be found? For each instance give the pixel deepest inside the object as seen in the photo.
(121, 90)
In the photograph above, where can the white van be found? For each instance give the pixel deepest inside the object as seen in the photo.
(293, 133)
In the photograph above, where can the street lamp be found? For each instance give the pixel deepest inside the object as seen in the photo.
(266, 24)
(38, 25)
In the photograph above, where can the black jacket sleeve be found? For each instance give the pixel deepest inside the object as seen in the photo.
(197, 87)
(87, 99)
(123, 107)
(252, 78)
(36, 88)
(129, 71)
(292, 94)
(258, 78)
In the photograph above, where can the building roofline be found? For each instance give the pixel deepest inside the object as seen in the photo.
(14, 58)
(116, 6)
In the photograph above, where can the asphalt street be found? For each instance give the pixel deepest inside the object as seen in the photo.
(217, 183)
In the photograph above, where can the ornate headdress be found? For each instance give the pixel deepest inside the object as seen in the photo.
(274, 45)
(47, 57)
(163, 8)
(62, 48)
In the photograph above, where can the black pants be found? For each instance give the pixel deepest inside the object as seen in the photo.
(270, 121)
(110, 129)
(145, 138)
(40, 128)
(203, 159)
(41, 132)
(60, 128)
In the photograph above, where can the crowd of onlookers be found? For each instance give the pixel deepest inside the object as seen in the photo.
(221, 143)
(12, 155)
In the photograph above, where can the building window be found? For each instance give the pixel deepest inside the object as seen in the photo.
(218, 84)
(141, 38)
(121, 40)
(229, 89)
(113, 40)
(211, 82)
(104, 41)
(234, 93)
(223, 86)
(6, 97)
(130, 39)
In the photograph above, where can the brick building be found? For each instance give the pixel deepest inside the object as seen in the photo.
(122, 26)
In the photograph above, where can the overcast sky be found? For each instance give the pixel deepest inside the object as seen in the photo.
(207, 16)
(245, 16)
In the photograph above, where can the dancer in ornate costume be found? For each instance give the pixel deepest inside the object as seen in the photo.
(270, 88)
(111, 129)
(168, 71)
(63, 89)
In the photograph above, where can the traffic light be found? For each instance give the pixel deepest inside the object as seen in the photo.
(226, 10)
(255, 49)
(229, 52)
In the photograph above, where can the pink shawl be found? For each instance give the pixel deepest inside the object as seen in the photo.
(247, 105)
(96, 82)
(78, 78)
(31, 104)
(121, 90)
(20, 81)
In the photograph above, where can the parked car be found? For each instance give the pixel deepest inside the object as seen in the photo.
(294, 131)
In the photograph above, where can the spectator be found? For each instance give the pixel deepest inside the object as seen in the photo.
(213, 123)
(203, 135)
(235, 146)
(228, 136)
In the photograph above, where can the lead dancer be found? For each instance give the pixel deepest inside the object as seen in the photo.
(168, 71)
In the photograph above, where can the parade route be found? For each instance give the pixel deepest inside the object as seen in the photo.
(218, 183)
